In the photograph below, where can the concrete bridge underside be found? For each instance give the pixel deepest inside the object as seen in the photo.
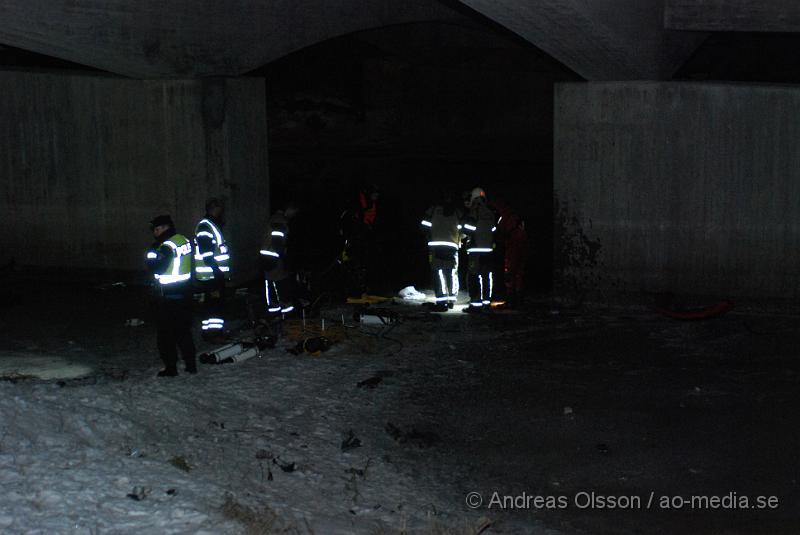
(598, 39)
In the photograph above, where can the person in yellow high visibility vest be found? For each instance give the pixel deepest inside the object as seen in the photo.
(169, 261)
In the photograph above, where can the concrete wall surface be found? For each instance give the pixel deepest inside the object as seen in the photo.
(87, 161)
(732, 15)
(680, 187)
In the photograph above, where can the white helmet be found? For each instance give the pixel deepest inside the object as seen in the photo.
(477, 193)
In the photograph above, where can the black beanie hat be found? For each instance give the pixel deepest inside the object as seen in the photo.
(161, 220)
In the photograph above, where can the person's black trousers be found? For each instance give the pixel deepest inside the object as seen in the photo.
(481, 279)
(280, 295)
(213, 306)
(174, 331)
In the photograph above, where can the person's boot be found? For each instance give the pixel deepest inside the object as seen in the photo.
(169, 371)
(191, 366)
(290, 314)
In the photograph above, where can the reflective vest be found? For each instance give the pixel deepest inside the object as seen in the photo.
(480, 226)
(274, 243)
(273, 248)
(179, 268)
(207, 229)
(444, 231)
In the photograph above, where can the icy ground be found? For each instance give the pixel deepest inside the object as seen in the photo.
(260, 446)
(388, 435)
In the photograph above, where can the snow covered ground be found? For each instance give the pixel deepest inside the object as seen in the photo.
(256, 447)
(388, 435)
(33, 365)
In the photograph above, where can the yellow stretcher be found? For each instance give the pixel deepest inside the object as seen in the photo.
(367, 299)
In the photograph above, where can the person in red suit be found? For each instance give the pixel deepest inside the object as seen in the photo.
(512, 234)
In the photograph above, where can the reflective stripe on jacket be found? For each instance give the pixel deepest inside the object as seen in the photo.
(444, 230)
(210, 243)
(175, 255)
(480, 226)
(273, 246)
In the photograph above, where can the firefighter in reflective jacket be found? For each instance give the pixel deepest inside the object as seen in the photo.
(169, 261)
(479, 226)
(278, 282)
(443, 224)
(212, 269)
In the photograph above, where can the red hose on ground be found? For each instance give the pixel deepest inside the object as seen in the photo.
(698, 314)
